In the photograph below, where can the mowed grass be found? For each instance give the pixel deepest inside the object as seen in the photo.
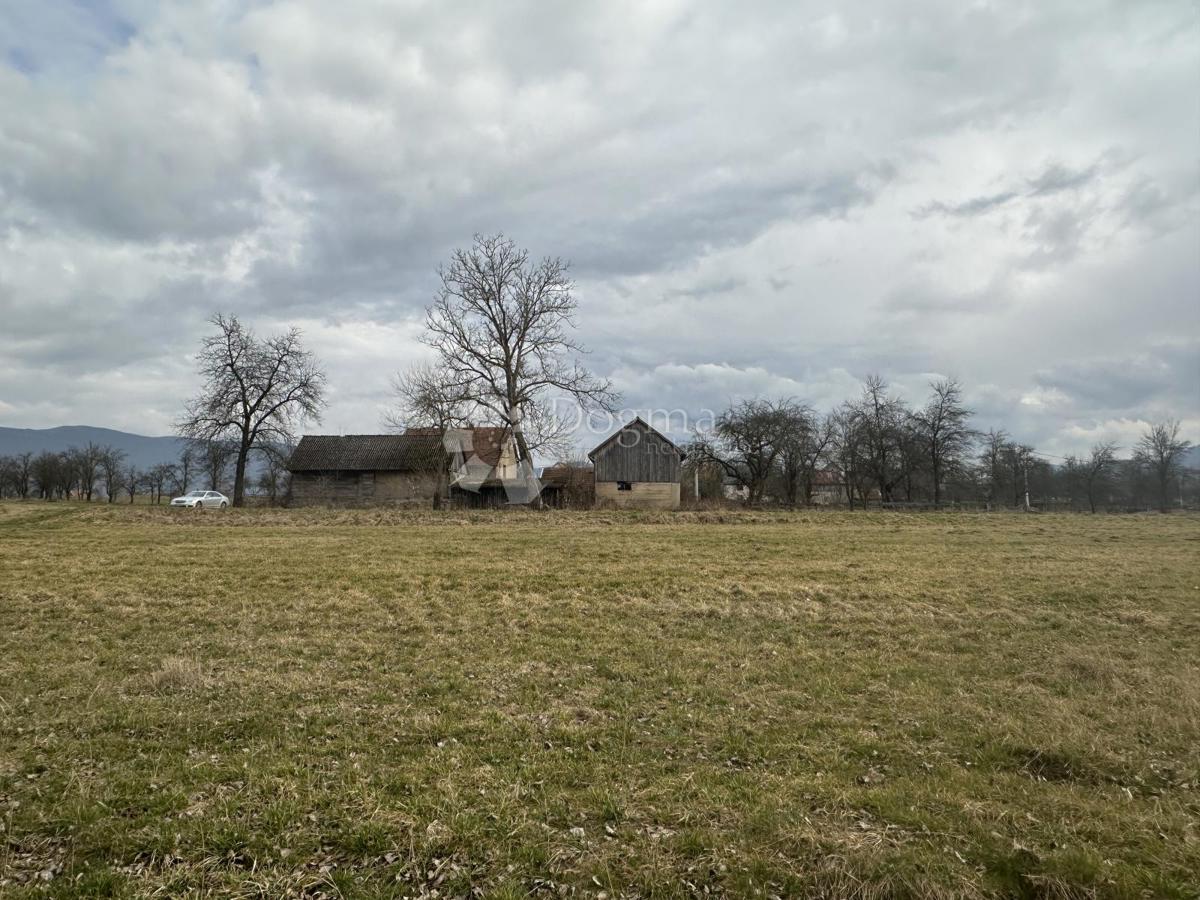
(266, 703)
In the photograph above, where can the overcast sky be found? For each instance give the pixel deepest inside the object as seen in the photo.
(756, 198)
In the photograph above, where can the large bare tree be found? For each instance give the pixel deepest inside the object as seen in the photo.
(1161, 450)
(943, 431)
(502, 327)
(256, 392)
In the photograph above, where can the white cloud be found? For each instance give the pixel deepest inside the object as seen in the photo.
(779, 201)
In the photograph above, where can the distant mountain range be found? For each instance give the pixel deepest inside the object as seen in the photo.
(140, 450)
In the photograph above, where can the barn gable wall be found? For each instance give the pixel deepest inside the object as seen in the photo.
(638, 454)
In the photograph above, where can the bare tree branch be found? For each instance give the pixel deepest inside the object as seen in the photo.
(501, 325)
(1161, 450)
(256, 392)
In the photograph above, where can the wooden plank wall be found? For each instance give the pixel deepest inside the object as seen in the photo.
(637, 455)
(361, 488)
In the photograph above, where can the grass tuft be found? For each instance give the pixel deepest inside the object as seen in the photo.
(177, 675)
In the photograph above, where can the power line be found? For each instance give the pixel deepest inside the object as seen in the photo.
(1048, 455)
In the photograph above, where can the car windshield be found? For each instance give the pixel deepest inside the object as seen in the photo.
(195, 493)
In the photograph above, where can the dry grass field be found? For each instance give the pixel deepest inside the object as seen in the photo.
(270, 703)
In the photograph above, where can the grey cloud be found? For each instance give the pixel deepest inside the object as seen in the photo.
(1165, 377)
(1056, 235)
(973, 207)
(1054, 179)
(94, 332)
(1057, 178)
(315, 162)
(708, 289)
(715, 218)
(1161, 208)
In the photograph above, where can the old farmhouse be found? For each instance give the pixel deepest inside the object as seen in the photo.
(637, 467)
(397, 469)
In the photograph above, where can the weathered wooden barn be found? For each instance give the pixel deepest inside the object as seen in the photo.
(637, 467)
(398, 469)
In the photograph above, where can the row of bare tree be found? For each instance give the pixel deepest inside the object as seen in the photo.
(81, 473)
(878, 448)
(78, 472)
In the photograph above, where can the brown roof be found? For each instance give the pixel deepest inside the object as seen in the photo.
(366, 453)
(561, 474)
(485, 441)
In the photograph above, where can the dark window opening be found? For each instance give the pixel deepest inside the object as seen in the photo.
(624, 486)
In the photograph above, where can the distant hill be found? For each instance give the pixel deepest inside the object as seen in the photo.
(140, 450)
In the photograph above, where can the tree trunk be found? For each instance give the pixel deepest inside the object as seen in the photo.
(526, 464)
(937, 483)
(239, 473)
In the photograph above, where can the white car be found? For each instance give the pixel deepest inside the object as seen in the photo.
(202, 500)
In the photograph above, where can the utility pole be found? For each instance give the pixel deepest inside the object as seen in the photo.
(1025, 470)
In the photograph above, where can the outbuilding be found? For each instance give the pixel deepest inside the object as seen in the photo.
(637, 466)
(472, 465)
